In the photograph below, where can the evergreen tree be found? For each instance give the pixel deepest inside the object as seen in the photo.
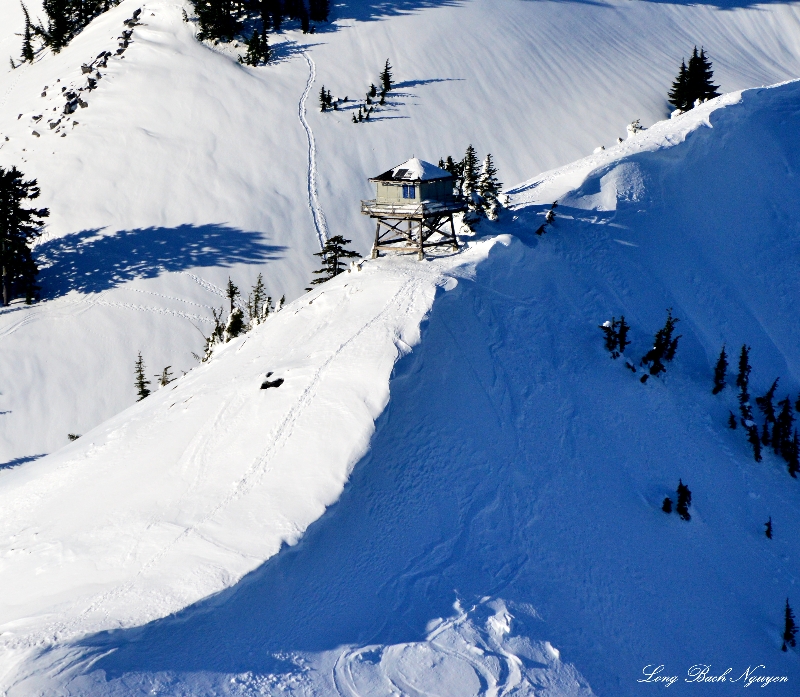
(323, 99)
(732, 421)
(27, 36)
(789, 628)
(679, 94)
(332, 254)
(231, 292)
(765, 403)
(719, 372)
(768, 526)
(765, 436)
(256, 303)
(217, 335)
(141, 382)
(611, 340)
(782, 431)
(19, 226)
(743, 382)
(386, 76)
(59, 23)
(258, 50)
(165, 377)
(622, 334)
(684, 501)
(664, 346)
(666, 506)
(794, 458)
(488, 188)
(469, 173)
(700, 78)
(217, 19)
(318, 10)
(755, 441)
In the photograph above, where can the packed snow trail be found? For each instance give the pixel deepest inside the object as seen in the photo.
(313, 200)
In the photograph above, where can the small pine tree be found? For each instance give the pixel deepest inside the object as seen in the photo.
(679, 94)
(732, 421)
(332, 254)
(141, 382)
(469, 173)
(699, 78)
(622, 334)
(794, 459)
(489, 188)
(765, 436)
(165, 377)
(611, 340)
(755, 441)
(323, 99)
(386, 76)
(216, 337)
(684, 501)
(666, 506)
(27, 36)
(789, 628)
(743, 382)
(768, 526)
(255, 303)
(782, 431)
(373, 91)
(719, 372)
(664, 346)
(765, 403)
(231, 292)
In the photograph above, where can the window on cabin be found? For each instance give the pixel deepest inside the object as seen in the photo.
(409, 191)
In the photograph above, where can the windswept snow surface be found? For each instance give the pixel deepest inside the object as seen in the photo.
(503, 533)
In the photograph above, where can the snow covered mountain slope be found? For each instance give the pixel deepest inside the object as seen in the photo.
(187, 167)
(503, 534)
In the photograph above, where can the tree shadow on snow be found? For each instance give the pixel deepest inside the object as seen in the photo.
(91, 262)
(17, 461)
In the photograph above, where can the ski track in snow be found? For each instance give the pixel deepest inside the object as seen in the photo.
(320, 224)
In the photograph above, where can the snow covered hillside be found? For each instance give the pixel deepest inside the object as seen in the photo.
(187, 167)
(502, 531)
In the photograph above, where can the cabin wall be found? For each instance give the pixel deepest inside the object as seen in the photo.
(431, 191)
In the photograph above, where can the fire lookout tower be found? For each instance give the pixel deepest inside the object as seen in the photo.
(413, 208)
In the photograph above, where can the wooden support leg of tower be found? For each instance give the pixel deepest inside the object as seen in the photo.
(453, 230)
(377, 240)
(421, 254)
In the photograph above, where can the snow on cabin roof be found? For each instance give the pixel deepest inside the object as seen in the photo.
(414, 170)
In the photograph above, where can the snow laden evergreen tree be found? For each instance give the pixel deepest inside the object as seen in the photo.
(332, 254)
(743, 383)
(664, 346)
(27, 38)
(259, 304)
(488, 189)
(684, 501)
(19, 226)
(235, 323)
(789, 628)
(141, 382)
(694, 82)
(720, 371)
(616, 336)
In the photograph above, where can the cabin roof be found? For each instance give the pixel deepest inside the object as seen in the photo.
(413, 170)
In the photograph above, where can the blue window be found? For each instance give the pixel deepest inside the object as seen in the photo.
(409, 191)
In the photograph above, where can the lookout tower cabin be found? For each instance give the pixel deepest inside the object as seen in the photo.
(413, 208)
